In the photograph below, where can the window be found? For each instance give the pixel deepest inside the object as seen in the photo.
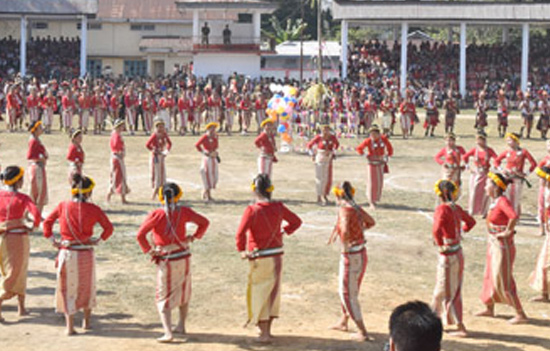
(39, 25)
(245, 18)
(91, 26)
(135, 68)
(140, 27)
(94, 67)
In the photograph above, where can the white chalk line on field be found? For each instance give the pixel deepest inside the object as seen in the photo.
(390, 183)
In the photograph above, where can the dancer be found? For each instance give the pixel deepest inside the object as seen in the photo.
(447, 228)
(498, 284)
(75, 155)
(172, 255)
(451, 110)
(49, 105)
(208, 146)
(159, 144)
(14, 238)
(540, 279)
(149, 108)
(544, 119)
(267, 145)
(544, 193)
(386, 107)
(33, 102)
(408, 111)
(502, 113)
(13, 107)
(369, 107)
(481, 112)
(76, 287)
(379, 150)
(259, 239)
(515, 158)
(37, 157)
(350, 226)
(118, 183)
(130, 103)
(527, 108)
(183, 109)
(68, 108)
(450, 158)
(481, 154)
(326, 145)
(432, 115)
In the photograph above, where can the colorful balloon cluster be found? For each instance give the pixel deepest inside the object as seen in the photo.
(280, 108)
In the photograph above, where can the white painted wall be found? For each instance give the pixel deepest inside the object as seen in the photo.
(295, 73)
(226, 64)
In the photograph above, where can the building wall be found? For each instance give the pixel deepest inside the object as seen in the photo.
(225, 64)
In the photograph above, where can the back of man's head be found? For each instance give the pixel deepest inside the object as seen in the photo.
(415, 327)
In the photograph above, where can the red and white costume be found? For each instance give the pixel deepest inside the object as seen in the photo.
(33, 103)
(149, 108)
(260, 106)
(432, 114)
(323, 161)
(75, 156)
(68, 109)
(350, 225)
(131, 102)
(544, 193)
(159, 144)
(386, 107)
(85, 103)
(266, 143)
(37, 157)
(183, 108)
(407, 111)
(14, 242)
(208, 146)
(215, 109)
(370, 110)
(230, 110)
(49, 104)
(174, 264)
(479, 201)
(260, 234)
(99, 107)
(118, 183)
(451, 162)
(13, 107)
(166, 104)
(540, 278)
(76, 288)
(499, 285)
(515, 164)
(447, 236)
(378, 152)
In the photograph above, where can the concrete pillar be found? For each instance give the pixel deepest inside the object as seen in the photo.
(450, 34)
(196, 27)
(344, 53)
(23, 47)
(83, 46)
(257, 23)
(462, 81)
(524, 56)
(404, 42)
(505, 35)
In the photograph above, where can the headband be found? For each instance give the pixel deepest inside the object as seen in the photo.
(36, 125)
(438, 191)
(16, 178)
(212, 124)
(174, 200)
(497, 180)
(266, 121)
(88, 189)
(269, 190)
(513, 136)
(75, 133)
(542, 174)
(339, 192)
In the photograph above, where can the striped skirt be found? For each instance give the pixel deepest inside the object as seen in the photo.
(173, 283)
(68, 118)
(209, 172)
(47, 117)
(539, 279)
(14, 263)
(478, 201)
(34, 115)
(323, 172)
(542, 201)
(158, 170)
(499, 285)
(118, 176)
(448, 287)
(352, 271)
(76, 288)
(513, 193)
(84, 119)
(265, 165)
(375, 182)
(39, 184)
(263, 295)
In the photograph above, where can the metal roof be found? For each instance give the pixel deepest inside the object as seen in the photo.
(140, 10)
(227, 4)
(49, 7)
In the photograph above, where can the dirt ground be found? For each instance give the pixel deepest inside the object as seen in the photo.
(402, 260)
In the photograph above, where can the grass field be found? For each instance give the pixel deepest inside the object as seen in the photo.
(402, 260)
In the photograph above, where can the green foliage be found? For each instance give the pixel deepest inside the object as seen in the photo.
(280, 34)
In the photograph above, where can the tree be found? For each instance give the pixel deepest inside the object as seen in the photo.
(280, 34)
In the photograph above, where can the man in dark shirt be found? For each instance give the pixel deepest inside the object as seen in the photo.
(226, 35)
(205, 34)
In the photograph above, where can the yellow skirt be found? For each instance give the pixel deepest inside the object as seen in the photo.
(14, 264)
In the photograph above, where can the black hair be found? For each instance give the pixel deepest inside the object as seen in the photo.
(348, 190)
(9, 173)
(32, 125)
(262, 184)
(170, 191)
(447, 189)
(79, 181)
(545, 169)
(505, 180)
(415, 327)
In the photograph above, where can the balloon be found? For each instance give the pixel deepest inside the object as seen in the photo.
(281, 128)
(284, 114)
(284, 118)
(292, 91)
(270, 104)
(285, 124)
(287, 99)
(287, 138)
(280, 109)
(291, 104)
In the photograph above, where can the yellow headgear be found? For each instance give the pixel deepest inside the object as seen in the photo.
(339, 192)
(542, 174)
(497, 180)
(88, 189)
(269, 190)
(513, 136)
(174, 200)
(212, 124)
(437, 189)
(16, 178)
(35, 127)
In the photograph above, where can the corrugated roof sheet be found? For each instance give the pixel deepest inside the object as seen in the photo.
(141, 9)
(49, 7)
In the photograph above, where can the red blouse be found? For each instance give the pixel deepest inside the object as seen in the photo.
(515, 160)
(266, 143)
(75, 154)
(207, 143)
(116, 143)
(323, 144)
(159, 142)
(36, 150)
(482, 157)
(262, 222)
(450, 156)
(13, 205)
(501, 212)
(351, 223)
(376, 147)
(164, 234)
(447, 224)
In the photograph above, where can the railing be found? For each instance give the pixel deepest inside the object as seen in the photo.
(221, 43)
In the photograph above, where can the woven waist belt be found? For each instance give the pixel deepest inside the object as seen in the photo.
(266, 252)
(355, 249)
(446, 249)
(77, 247)
(175, 255)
